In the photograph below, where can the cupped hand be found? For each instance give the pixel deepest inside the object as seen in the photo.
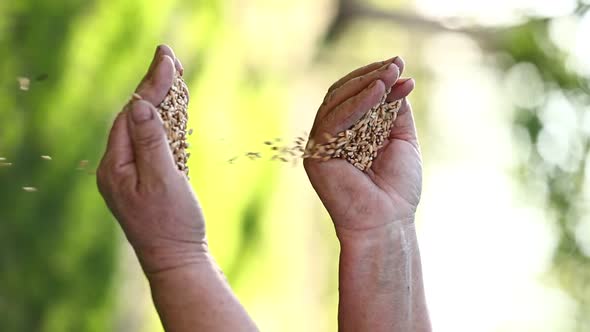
(389, 191)
(151, 199)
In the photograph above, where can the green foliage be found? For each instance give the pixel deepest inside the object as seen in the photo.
(56, 250)
(531, 43)
(59, 246)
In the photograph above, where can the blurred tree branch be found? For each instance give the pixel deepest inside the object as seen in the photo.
(350, 10)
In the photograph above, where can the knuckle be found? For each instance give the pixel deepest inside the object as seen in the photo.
(101, 173)
(334, 86)
(116, 172)
(330, 96)
(100, 179)
(109, 174)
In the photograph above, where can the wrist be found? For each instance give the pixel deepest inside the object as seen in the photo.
(374, 257)
(384, 234)
(157, 260)
(180, 270)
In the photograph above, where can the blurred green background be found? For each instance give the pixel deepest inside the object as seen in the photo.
(502, 109)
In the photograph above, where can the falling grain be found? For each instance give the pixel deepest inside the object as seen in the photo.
(82, 165)
(253, 155)
(24, 83)
(360, 143)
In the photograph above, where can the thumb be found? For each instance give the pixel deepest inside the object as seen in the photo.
(152, 154)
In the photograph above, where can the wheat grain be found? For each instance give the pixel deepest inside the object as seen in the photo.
(360, 143)
(24, 83)
(82, 164)
(173, 111)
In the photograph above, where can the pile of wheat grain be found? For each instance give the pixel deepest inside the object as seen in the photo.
(360, 143)
(173, 111)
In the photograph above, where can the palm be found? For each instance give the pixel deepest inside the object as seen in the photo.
(398, 172)
(389, 191)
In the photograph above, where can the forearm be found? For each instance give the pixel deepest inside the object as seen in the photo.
(197, 297)
(381, 286)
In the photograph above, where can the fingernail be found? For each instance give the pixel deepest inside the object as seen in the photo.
(157, 52)
(399, 62)
(140, 112)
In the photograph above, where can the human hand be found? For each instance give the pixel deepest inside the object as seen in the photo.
(389, 191)
(151, 199)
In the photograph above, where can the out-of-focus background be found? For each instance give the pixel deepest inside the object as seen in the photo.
(502, 110)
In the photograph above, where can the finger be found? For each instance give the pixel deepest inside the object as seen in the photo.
(402, 88)
(157, 55)
(388, 74)
(119, 148)
(167, 50)
(117, 162)
(152, 154)
(350, 112)
(404, 127)
(398, 61)
(155, 88)
(162, 50)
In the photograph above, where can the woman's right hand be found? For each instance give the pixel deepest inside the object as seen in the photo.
(150, 198)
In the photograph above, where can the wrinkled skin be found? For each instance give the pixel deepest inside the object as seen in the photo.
(390, 190)
(151, 199)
